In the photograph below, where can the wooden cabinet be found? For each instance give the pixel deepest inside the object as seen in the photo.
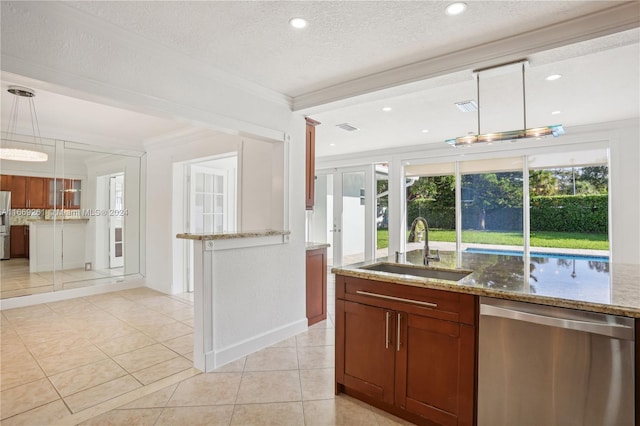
(316, 285)
(5, 183)
(64, 193)
(38, 193)
(19, 241)
(29, 192)
(310, 165)
(408, 350)
(72, 193)
(19, 191)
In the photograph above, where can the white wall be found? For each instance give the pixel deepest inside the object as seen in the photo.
(625, 194)
(166, 197)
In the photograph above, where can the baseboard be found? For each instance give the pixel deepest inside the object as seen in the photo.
(55, 296)
(216, 359)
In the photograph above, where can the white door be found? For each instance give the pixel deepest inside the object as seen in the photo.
(211, 211)
(345, 204)
(116, 221)
(211, 205)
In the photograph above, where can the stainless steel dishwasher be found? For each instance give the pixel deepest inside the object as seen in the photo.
(544, 366)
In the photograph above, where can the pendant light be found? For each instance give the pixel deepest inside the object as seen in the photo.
(21, 154)
(536, 132)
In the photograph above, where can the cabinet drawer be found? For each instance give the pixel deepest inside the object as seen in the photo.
(440, 304)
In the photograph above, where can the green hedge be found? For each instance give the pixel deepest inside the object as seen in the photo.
(570, 213)
(561, 213)
(437, 217)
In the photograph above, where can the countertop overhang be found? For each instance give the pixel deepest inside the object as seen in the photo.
(310, 245)
(501, 282)
(233, 235)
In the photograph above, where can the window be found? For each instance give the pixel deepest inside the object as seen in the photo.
(431, 195)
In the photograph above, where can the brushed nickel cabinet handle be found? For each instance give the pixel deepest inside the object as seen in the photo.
(386, 336)
(398, 336)
(397, 299)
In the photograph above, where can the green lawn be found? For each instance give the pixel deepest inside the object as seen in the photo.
(538, 239)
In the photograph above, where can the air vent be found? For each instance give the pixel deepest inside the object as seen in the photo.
(348, 127)
(467, 106)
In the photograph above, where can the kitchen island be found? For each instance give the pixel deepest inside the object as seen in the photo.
(411, 345)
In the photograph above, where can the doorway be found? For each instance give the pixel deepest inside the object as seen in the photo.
(206, 202)
(343, 214)
(116, 221)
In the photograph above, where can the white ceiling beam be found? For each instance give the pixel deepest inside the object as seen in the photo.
(619, 18)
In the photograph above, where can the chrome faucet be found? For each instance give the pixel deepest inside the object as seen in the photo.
(426, 253)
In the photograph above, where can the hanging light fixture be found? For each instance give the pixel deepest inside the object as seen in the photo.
(20, 154)
(536, 132)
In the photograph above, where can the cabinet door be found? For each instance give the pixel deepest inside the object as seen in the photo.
(72, 193)
(38, 193)
(365, 355)
(5, 183)
(316, 285)
(19, 192)
(310, 167)
(17, 242)
(55, 191)
(435, 369)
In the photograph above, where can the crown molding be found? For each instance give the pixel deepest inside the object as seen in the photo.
(605, 22)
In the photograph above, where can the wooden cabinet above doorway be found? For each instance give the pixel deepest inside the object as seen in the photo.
(310, 162)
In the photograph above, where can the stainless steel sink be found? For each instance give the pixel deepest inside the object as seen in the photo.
(419, 271)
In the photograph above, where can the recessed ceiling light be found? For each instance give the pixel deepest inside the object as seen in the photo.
(553, 77)
(298, 22)
(555, 112)
(456, 8)
(425, 130)
(387, 109)
(332, 144)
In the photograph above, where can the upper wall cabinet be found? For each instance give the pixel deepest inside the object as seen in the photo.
(28, 192)
(310, 162)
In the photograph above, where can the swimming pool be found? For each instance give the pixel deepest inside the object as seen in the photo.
(541, 254)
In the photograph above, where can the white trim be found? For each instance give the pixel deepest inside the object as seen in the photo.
(55, 296)
(236, 243)
(609, 21)
(216, 359)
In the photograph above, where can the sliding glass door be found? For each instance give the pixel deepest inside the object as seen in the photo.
(343, 214)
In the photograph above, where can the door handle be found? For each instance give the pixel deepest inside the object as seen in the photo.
(616, 331)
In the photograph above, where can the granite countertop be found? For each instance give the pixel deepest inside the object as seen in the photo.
(229, 236)
(310, 245)
(589, 284)
(79, 220)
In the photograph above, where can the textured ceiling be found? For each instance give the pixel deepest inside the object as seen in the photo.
(344, 39)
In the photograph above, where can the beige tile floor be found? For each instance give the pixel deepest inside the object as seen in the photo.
(16, 280)
(125, 358)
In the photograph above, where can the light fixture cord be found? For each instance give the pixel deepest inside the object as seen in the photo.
(524, 100)
(478, 90)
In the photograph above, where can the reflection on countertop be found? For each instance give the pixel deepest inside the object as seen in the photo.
(587, 284)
